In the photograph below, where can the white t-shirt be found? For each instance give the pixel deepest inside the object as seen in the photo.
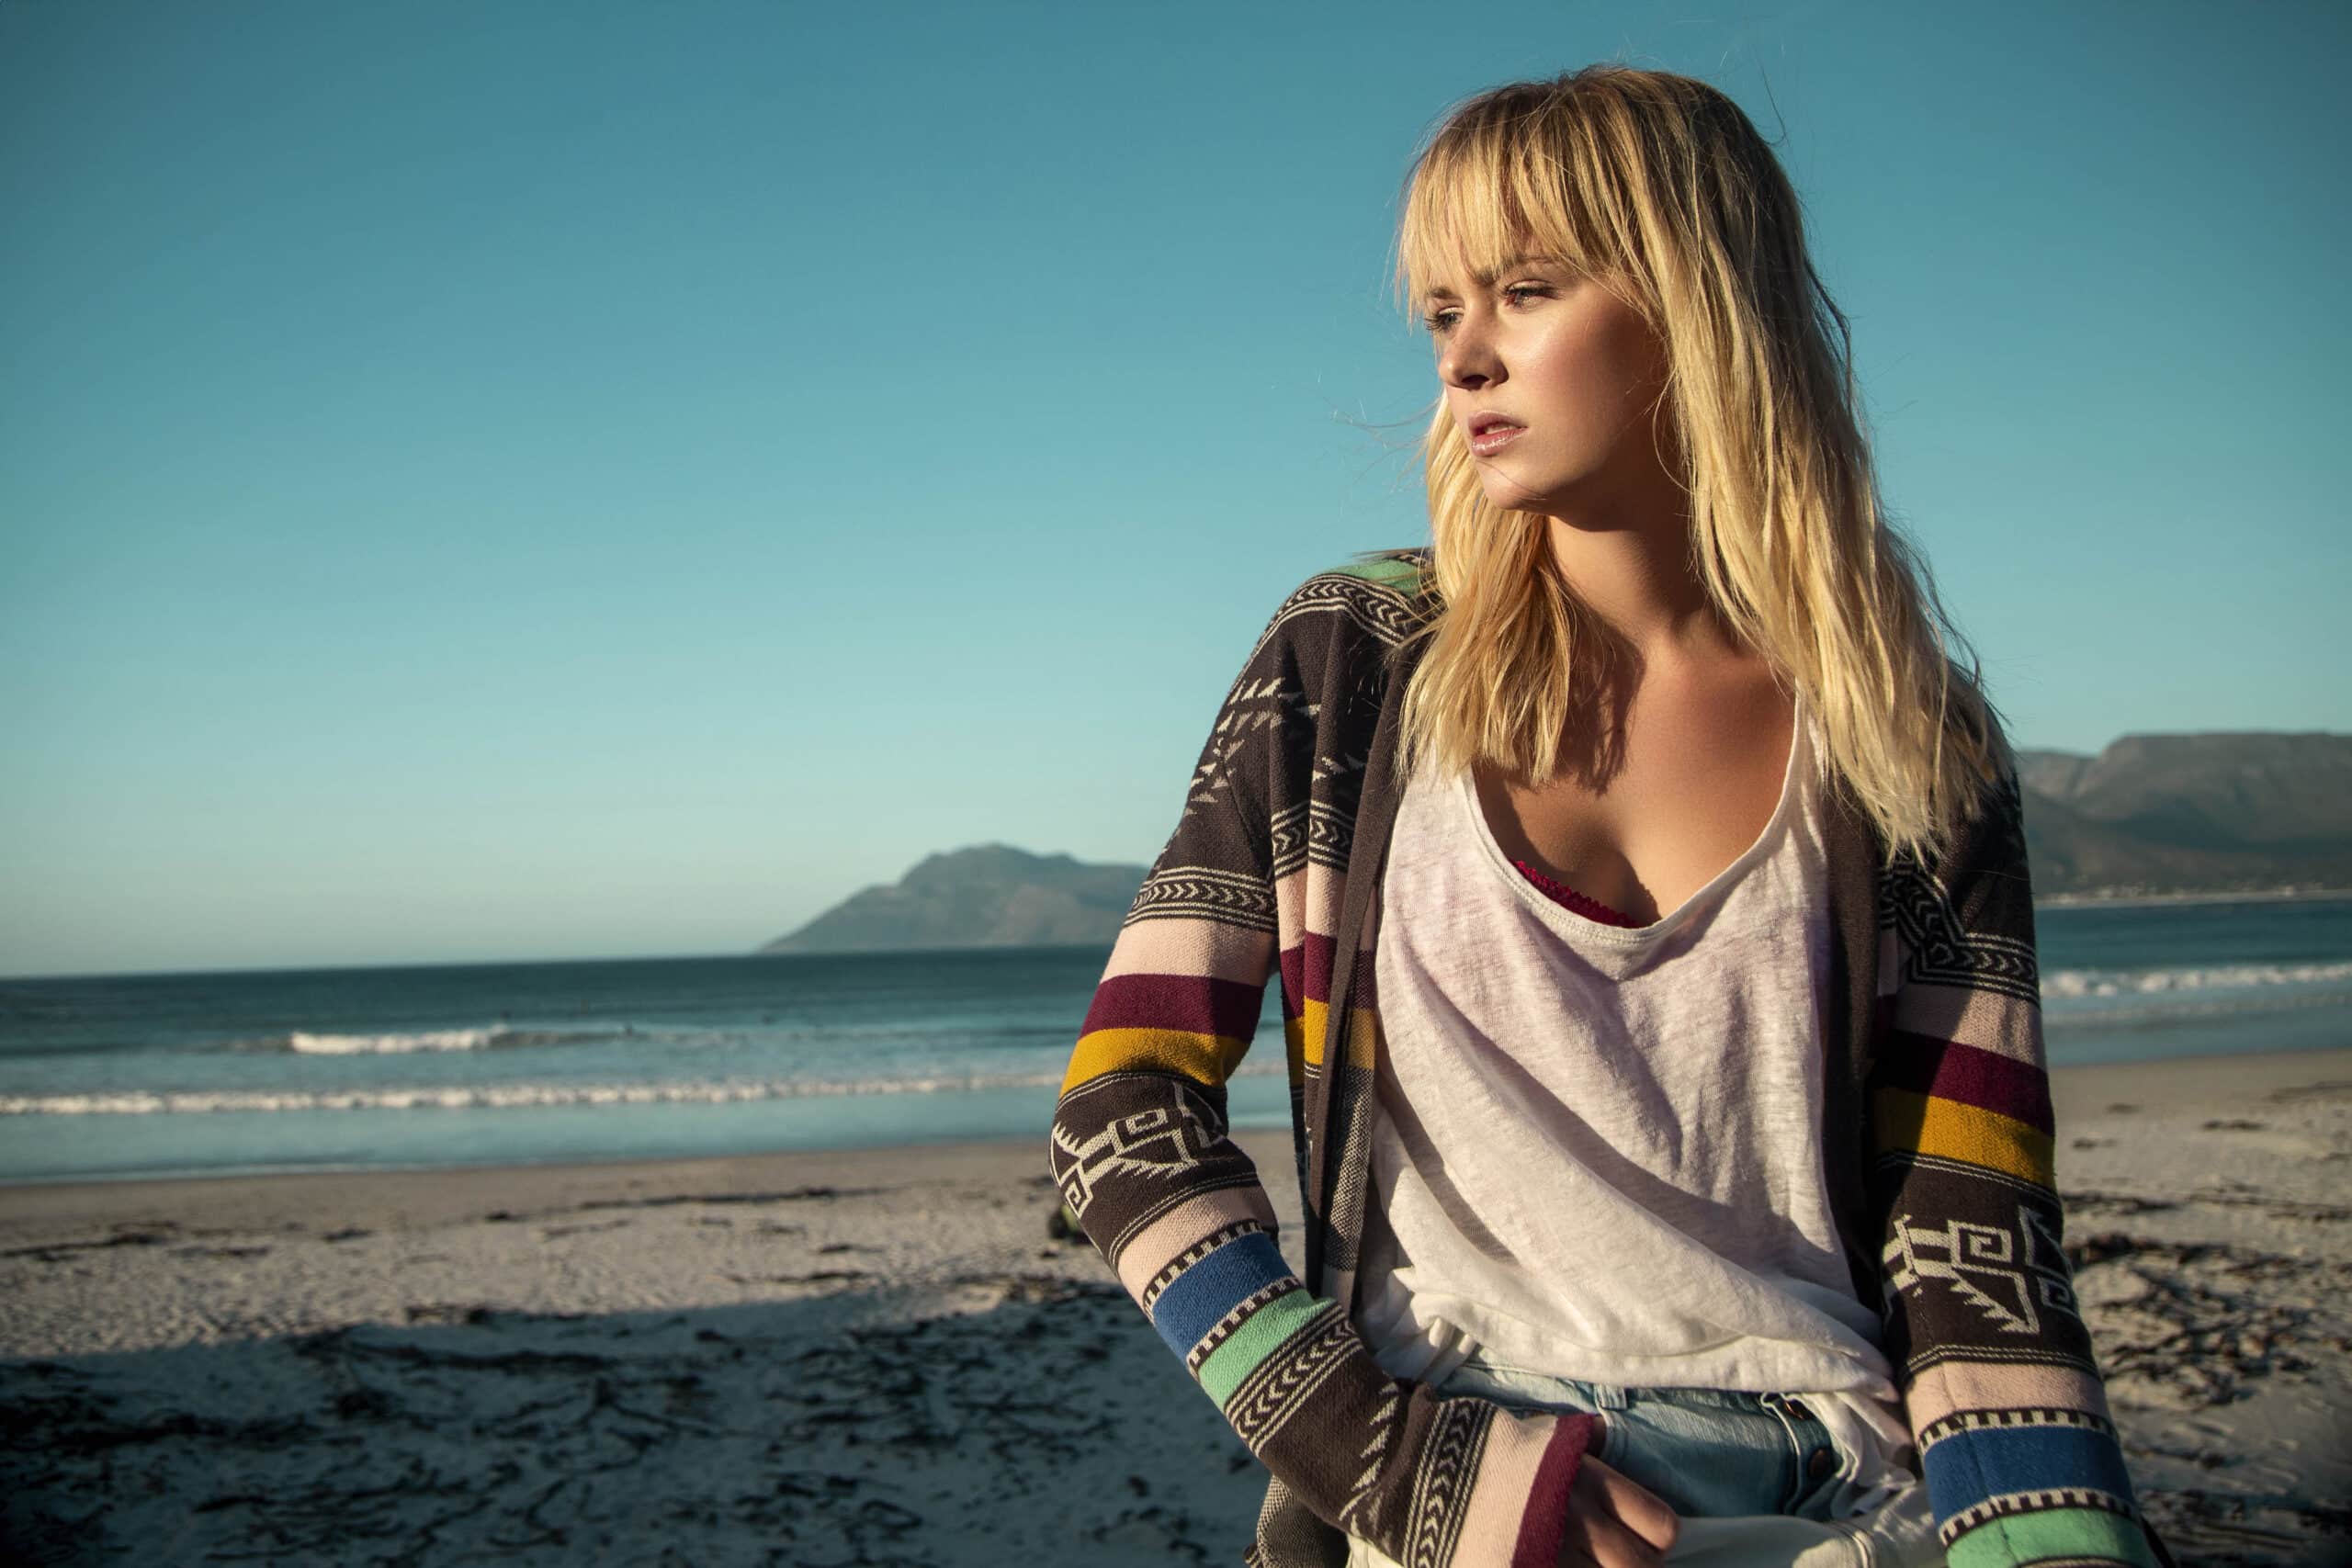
(1597, 1150)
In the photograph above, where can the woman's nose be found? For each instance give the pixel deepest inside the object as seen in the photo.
(1468, 358)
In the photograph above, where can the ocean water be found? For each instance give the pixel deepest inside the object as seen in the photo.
(522, 1062)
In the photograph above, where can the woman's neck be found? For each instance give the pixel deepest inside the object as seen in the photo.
(1641, 579)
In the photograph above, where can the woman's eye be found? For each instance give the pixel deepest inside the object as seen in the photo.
(1439, 322)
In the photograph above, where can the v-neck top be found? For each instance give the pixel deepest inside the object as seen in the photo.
(1597, 1149)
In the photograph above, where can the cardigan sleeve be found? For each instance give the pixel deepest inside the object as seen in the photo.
(2003, 1396)
(1141, 1154)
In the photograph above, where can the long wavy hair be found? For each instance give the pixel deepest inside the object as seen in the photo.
(1658, 186)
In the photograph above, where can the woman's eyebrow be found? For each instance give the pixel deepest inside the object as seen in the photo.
(1484, 278)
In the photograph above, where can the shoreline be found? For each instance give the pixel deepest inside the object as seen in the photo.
(446, 1194)
(878, 1355)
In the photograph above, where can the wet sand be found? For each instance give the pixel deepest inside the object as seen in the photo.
(880, 1358)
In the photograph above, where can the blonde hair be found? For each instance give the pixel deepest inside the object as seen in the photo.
(1658, 187)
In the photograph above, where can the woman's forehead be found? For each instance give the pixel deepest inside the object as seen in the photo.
(1453, 260)
(1463, 230)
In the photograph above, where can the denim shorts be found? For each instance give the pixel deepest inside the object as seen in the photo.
(1707, 1453)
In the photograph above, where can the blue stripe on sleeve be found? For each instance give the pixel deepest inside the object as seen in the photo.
(2025, 1458)
(1201, 1294)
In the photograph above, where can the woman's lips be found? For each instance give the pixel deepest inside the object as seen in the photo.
(1493, 438)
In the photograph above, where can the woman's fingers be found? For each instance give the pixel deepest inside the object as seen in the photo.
(1599, 1541)
(1615, 1522)
(1640, 1509)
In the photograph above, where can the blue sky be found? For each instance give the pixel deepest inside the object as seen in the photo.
(491, 479)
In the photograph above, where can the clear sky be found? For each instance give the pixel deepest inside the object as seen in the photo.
(491, 479)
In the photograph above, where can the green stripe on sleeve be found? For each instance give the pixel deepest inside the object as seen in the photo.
(1404, 576)
(1260, 1336)
(2053, 1532)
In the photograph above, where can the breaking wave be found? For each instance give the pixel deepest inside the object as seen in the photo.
(393, 1044)
(517, 1096)
(2083, 983)
(484, 1097)
(489, 1037)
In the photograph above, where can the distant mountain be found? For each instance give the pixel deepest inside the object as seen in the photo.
(989, 896)
(2191, 814)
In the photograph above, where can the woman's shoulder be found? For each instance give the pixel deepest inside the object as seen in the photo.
(1407, 571)
(1385, 595)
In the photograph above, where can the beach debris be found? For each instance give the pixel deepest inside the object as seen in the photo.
(848, 1428)
(2205, 1527)
(2206, 1319)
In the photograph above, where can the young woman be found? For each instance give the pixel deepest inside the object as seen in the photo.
(1647, 890)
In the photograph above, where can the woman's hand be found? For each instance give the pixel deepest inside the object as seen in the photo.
(1615, 1522)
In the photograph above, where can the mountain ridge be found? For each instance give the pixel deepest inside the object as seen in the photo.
(2201, 812)
(982, 896)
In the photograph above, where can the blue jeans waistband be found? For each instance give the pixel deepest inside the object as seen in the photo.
(1704, 1451)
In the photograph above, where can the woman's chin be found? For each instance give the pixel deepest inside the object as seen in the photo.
(1509, 497)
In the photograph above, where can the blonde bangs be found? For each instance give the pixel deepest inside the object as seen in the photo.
(1479, 202)
(1658, 186)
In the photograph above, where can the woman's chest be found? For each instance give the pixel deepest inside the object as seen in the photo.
(1655, 811)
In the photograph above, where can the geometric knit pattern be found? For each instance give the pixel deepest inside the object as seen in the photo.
(2002, 1391)
(1937, 1126)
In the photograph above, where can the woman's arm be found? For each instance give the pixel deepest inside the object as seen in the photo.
(2019, 1452)
(1141, 1152)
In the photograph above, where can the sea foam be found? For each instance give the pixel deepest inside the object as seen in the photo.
(2073, 983)
(517, 1096)
(393, 1044)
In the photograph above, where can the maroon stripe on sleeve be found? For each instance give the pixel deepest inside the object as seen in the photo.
(1546, 1519)
(1316, 952)
(1195, 1003)
(1293, 962)
(1948, 1070)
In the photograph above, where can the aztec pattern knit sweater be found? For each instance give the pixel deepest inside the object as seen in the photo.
(1938, 1141)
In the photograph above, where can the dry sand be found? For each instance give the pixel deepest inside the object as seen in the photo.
(879, 1358)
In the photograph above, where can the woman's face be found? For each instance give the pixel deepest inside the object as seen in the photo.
(1555, 383)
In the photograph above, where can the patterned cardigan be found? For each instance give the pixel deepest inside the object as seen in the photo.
(1938, 1144)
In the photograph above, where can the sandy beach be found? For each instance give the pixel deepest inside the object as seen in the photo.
(880, 1358)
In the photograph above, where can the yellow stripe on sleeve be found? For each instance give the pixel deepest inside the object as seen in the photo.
(1949, 1130)
(1207, 1059)
(1295, 1049)
(1312, 1015)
